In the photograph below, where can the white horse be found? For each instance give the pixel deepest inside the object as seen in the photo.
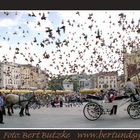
(23, 102)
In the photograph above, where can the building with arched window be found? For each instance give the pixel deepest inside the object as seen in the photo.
(107, 80)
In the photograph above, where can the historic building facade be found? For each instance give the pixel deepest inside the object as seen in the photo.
(132, 66)
(9, 75)
(17, 76)
(107, 80)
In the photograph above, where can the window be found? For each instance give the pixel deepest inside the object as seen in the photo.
(86, 84)
(81, 83)
(5, 81)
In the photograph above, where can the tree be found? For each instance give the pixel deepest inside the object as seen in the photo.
(76, 86)
(55, 84)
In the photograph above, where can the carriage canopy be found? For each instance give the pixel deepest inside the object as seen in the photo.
(37, 91)
(89, 91)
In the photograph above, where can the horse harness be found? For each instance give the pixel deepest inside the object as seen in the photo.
(20, 101)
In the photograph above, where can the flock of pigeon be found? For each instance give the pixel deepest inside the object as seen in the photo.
(77, 47)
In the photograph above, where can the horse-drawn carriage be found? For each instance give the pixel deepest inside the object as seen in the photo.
(98, 106)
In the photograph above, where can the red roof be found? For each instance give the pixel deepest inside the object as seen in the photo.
(110, 73)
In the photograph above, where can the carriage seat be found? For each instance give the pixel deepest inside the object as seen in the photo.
(121, 97)
(94, 97)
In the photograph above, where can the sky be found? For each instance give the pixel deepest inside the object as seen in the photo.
(89, 41)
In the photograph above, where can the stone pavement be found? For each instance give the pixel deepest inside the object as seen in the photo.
(67, 117)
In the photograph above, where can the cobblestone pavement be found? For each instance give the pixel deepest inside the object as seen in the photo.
(68, 117)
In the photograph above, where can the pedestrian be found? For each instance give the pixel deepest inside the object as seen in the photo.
(111, 95)
(130, 89)
(1, 108)
(102, 94)
(61, 101)
(111, 98)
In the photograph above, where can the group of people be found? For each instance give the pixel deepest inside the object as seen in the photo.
(130, 90)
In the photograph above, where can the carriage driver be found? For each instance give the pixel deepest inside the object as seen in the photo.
(1, 107)
(130, 89)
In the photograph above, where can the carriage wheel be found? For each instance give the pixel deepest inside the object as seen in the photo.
(92, 111)
(134, 111)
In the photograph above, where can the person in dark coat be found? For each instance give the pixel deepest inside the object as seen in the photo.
(1, 107)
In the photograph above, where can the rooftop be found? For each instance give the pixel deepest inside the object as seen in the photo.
(110, 73)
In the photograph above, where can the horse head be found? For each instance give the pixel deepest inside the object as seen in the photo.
(34, 99)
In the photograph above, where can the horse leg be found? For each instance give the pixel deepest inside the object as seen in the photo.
(81, 103)
(12, 110)
(3, 110)
(27, 110)
(21, 113)
(9, 113)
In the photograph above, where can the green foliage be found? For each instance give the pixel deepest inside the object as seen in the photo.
(55, 84)
(76, 86)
